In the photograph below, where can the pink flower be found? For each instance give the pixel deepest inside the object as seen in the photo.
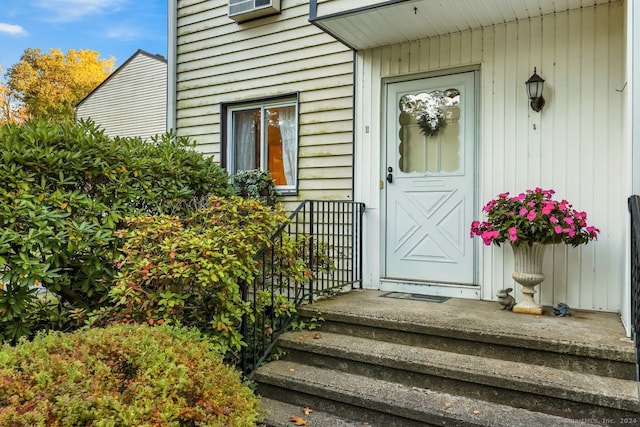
(581, 217)
(569, 220)
(569, 232)
(553, 219)
(489, 205)
(547, 208)
(489, 236)
(513, 234)
(531, 204)
(593, 232)
(523, 211)
(558, 229)
(563, 205)
(474, 229)
(532, 215)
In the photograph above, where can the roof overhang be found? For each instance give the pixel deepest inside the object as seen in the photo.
(365, 24)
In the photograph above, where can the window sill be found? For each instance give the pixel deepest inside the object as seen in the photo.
(287, 192)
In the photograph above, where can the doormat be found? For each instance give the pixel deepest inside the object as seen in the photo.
(415, 297)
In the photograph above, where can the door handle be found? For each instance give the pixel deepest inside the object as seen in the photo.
(390, 175)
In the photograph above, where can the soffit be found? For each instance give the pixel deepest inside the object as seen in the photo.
(363, 24)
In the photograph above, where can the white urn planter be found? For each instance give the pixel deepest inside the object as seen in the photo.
(527, 272)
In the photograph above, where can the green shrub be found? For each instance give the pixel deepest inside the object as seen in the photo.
(188, 270)
(121, 376)
(255, 184)
(65, 190)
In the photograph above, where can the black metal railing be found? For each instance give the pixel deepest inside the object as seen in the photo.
(634, 209)
(327, 236)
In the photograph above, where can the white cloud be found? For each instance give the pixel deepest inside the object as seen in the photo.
(14, 30)
(124, 33)
(72, 10)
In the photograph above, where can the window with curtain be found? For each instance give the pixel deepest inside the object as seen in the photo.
(264, 136)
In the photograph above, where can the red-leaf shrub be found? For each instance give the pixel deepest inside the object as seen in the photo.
(123, 375)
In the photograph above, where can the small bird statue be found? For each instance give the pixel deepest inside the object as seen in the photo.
(561, 309)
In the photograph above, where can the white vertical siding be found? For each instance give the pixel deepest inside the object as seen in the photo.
(221, 61)
(132, 101)
(573, 146)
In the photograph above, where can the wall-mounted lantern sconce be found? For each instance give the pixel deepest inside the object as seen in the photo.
(534, 90)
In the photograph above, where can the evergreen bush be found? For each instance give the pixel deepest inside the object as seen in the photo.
(65, 189)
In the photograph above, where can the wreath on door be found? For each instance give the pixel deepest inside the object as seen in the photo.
(429, 107)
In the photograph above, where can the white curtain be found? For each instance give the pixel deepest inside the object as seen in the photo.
(245, 140)
(288, 131)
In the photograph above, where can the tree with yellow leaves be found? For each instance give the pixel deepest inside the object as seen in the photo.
(11, 111)
(50, 85)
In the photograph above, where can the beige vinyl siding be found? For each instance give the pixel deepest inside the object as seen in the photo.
(573, 146)
(133, 101)
(220, 61)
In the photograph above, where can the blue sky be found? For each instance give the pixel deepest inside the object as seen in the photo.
(115, 28)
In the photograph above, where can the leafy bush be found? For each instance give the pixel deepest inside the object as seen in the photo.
(188, 271)
(65, 190)
(121, 376)
(255, 184)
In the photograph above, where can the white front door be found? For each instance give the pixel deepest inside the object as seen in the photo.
(430, 180)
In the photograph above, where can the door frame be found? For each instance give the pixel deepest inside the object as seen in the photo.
(440, 289)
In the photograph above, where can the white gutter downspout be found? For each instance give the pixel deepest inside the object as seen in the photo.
(172, 24)
(633, 48)
(631, 134)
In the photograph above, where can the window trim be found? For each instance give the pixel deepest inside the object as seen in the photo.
(226, 133)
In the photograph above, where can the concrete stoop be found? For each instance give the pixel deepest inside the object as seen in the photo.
(390, 363)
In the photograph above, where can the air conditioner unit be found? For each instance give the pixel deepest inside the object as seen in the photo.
(244, 10)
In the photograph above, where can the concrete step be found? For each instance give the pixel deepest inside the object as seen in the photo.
(376, 402)
(534, 387)
(588, 342)
(278, 414)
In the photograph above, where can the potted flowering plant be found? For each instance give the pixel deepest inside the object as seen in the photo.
(529, 222)
(533, 217)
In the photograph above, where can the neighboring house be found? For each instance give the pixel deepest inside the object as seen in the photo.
(132, 101)
(311, 92)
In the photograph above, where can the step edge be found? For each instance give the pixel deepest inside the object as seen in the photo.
(314, 417)
(400, 397)
(477, 370)
(604, 352)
